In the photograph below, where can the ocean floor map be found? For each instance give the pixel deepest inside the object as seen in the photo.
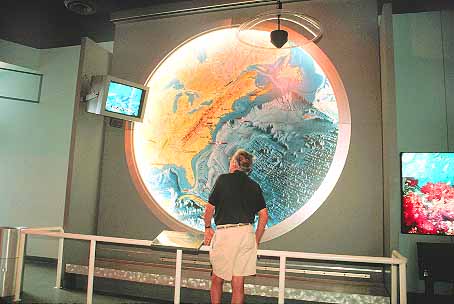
(213, 95)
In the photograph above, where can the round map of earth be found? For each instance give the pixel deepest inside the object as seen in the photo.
(213, 95)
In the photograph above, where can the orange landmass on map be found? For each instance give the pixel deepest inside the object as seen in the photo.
(176, 137)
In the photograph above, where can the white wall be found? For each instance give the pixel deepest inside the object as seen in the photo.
(35, 147)
(20, 55)
(35, 143)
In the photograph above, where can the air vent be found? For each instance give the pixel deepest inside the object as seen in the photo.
(81, 7)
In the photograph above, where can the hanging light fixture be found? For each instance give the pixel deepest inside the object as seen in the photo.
(293, 29)
(279, 37)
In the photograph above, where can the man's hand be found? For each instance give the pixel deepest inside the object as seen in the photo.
(209, 211)
(263, 219)
(208, 236)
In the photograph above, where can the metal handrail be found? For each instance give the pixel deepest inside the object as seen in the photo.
(20, 260)
(396, 261)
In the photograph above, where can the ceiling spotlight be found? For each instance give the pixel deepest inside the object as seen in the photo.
(294, 29)
(81, 7)
(279, 37)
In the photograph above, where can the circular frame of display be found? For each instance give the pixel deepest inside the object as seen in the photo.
(319, 196)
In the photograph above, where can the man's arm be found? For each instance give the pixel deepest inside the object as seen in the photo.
(263, 219)
(209, 211)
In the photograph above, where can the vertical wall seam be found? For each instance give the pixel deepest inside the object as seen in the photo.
(444, 77)
(100, 171)
(73, 135)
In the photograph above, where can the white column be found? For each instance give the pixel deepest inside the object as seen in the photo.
(20, 267)
(393, 284)
(282, 263)
(179, 259)
(403, 283)
(59, 263)
(91, 272)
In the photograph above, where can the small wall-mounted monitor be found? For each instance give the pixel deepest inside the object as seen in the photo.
(115, 97)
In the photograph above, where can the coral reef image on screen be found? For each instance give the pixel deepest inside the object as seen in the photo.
(213, 95)
(123, 99)
(428, 193)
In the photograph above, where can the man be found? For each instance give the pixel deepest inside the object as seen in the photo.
(234, 201)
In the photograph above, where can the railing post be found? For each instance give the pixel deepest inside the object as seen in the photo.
(91, 271)
(20, 267)
(59, 263)
(393, 284)
(179, 259)
(403, 282)
(282, 262)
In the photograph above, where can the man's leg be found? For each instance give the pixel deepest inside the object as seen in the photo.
(216, 289)
(237, 290)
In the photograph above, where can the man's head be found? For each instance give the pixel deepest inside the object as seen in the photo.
(241, 160)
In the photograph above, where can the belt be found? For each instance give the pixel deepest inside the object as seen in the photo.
(232, 225)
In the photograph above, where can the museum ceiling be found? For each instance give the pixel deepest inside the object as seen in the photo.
(48, 23)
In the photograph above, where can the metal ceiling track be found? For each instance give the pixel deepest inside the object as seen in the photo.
(158, 12)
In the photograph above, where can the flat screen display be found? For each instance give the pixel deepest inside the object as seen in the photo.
(427, 193)
(124, 99)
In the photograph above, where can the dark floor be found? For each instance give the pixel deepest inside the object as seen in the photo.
(414, 298)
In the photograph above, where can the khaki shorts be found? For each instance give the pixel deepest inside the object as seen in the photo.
(234, 252)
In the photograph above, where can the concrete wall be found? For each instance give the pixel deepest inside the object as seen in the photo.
(423, 44)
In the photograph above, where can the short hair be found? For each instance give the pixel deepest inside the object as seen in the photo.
(244, 160)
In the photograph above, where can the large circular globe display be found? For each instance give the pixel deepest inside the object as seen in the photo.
(213, 95)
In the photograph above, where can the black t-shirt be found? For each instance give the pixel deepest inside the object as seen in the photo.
(236, 198)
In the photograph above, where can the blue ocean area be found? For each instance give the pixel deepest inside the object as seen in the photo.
(170, 178)
(312, 79)
(428, 167)
(240, 108)
(299, 59)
